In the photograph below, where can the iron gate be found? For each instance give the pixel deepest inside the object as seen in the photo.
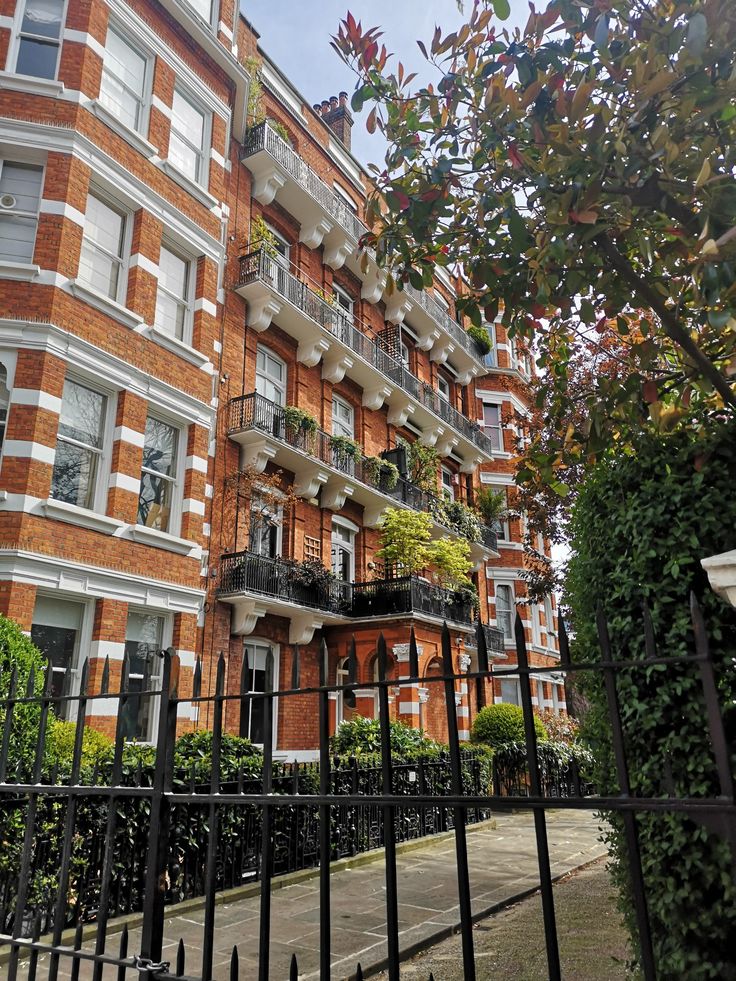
(34, 944)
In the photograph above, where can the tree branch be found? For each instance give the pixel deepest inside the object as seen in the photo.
(673, 328)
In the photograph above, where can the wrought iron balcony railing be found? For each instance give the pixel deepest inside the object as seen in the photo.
(259, 266)
(256, 412)
(441, 317)
(495, 643)
(263, 137)
(248, 573)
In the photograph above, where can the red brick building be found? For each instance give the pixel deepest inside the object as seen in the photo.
(180, 271)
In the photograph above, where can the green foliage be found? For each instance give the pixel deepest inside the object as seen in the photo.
(496, 725)
(580, 171)
(193, 757)
(381, 472)
(299, 419)
(450, 559)
(561, 728)
(491, 504)
(640, 527)
(97, 748)
(422, 463)
(460, 518)
(254, 111)
(481, 337)
(346, 446)
(361, 737)
(405, 540)
(261, 236)
(280, 130)
(18, 653)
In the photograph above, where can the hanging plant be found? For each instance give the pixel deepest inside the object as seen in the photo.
(382, 473)
(346, 446)
(297, 419)
(481, 338)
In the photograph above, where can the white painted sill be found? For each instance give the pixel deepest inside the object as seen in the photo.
(161, 539)
(82, 517)
(198, 192)
(186, 351)
(23, 272)
(130, 136)
(103, 303)
(28, 83)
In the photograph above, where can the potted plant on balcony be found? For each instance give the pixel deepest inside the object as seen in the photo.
(301, 427)
(422, 466)
(492, 506)
(345, 446)
(462, 519)
(450, 561)
(261, 237)
(481, 337)
(313, 583)
(383, 474)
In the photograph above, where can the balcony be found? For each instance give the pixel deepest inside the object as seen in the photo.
(436, 331)
(261, 428)
(279, 172)
(346, 346)
(256, 586)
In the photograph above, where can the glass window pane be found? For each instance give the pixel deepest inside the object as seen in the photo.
(23, 182)
(170, 315)
(184, 157)
(187, 120)
(73, 478)
(203, 8)
(82, 414)
(55, 631)
(104, 225)
(37, 58)
(154, 502)
(17, 238)
(142, 641)
(173, 273)
(159, 450)
(99, 271)
(43, 18)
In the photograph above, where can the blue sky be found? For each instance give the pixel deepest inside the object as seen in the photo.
(296, 35)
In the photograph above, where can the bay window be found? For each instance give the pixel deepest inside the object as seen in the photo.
(188, 138)
(101, 264)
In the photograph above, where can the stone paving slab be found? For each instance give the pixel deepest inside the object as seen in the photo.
(503, 866)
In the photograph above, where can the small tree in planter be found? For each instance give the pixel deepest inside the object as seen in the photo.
(492, 505)
(345, 446)
(406, 540)
(301, 427)
(422, 465)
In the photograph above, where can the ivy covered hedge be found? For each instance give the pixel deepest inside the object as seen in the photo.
(640, 527)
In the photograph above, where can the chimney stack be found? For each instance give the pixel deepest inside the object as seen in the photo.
(335, 112)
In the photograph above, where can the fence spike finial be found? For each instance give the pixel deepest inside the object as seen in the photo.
(413, 655)
(234, 965)
(269, 672)
(105, 680)
(245, 672)
(482, 645)
(293, 969)
(324, 663)
(197, 679)
(180, 958)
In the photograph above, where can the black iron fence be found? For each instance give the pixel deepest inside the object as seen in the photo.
(288, 580)
(34, 798)
(260, 266)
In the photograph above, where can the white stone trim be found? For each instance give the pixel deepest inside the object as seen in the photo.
(409, 708)
(146, 264)
(202, 303)
(123, 481)
(62, 209)
(82, 517)
(112, 649)
(22, 272)
(103, 303)
(25, 449)
(53, 573)
(185, 351)
(191, 506)
(124, 435)
(187, 659)
(27, 83)
(131, 136)
(103, 706)
(82, 37)
(161, 539)
(197, 463)
(37, 398)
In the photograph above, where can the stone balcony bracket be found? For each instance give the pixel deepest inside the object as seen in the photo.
(310, 353)
(431, 436)
(333, 369)
(268, 184)
(399, 413)
(441, 352)
(373, 398)
(427, 341)
(312, 234)
(471, 465)
(465, 377)
(337, 249)
(261, 311)
(302, 628)
(256, 454)
(373, 286)
(446, 445)
(397, 307)
(373, 516)
(721, 570)
(245, 615)
(335, 494)
(308, 482)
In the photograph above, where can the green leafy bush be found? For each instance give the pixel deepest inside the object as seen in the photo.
(193, 757)
(362, 737)
(19, 654)
(496, 725)
(97, 748)
(481, 338)
(640, 527)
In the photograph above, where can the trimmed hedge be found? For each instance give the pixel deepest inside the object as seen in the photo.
(496, 725)
(640, 527)
(19, 654)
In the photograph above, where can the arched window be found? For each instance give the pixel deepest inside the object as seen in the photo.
(4, 403)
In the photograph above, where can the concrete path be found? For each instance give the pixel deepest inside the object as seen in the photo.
(503, 867)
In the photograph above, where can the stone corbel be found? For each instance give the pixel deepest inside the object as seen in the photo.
(431, 436)
(256, 455)
(267, 185)
(310, 353)
(398, 414)
(302, 628)
(465, 660)
(470, 465)
(373, 516)
(401, 653)
(423, 695)
(373, 398)
(261, 312)
(446, 445)
(373, 286)
(308, 483)
(333, 369)
(427, 341)
(466, 377)
(441, 352)
(312, 235)
(337, 251)
(721, 570)
(245, 615)
(334, 496)
(397, 306)
(458, 698)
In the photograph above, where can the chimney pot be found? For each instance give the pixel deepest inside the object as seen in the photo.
(333, 102)
(325, 106)
(317, 108)
(343, 98)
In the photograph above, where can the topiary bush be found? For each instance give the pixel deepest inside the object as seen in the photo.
(640, 527)
(496, 725)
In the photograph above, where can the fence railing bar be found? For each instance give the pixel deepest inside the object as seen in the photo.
(389, 819)
(540, 821)
(324, 815)
(122, 953)
(264, 931)
(210, 885)
(10, 704)
(629, 817)
(459, 814)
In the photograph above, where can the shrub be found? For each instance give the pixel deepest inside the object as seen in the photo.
(496, 725)
(19, 654)
(560, 728)
(97, 748)
(481, 338)
(640, 527)
(362, 737)
(193, 757)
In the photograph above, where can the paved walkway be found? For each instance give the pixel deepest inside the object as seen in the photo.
(503, 866)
